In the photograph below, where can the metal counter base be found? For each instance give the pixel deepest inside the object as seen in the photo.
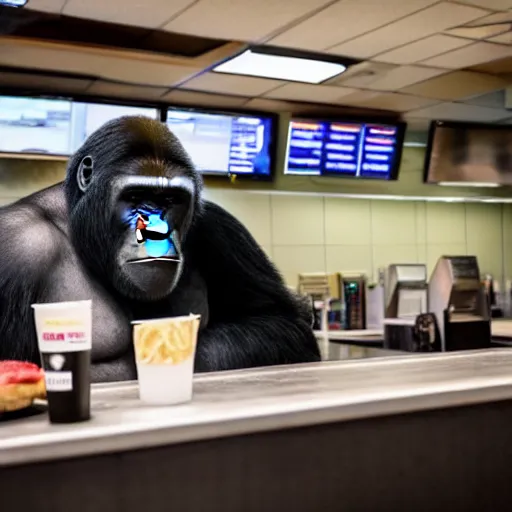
(413, 433)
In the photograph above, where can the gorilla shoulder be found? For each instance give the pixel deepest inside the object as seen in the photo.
(32, 241)
(32, 244)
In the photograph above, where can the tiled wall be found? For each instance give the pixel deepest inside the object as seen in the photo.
(309, 233)
(320, 233)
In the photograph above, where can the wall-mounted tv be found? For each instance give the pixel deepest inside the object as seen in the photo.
(35, 125)
(469, 154)
(221, 143)
(88, 117)
(349, 149)
(55, 127)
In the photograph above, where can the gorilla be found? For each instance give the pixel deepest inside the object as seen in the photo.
(128, 228)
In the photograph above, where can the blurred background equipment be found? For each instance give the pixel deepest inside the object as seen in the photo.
(458, 299)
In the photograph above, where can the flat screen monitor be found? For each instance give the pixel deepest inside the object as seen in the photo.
(88, 117)
(224, 143)
(469, 153)
(34, 125)
(53, 126)
(346, 149)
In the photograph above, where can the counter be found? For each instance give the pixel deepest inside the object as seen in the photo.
(259, 436)
(242, 402)
(501, 332)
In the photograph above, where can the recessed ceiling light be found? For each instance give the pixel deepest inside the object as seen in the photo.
(283, 64)
(14, 3)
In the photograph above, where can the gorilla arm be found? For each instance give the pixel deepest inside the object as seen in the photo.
(29, 250)
(254, 319)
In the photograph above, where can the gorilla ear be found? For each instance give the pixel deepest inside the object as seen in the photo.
(84, 174)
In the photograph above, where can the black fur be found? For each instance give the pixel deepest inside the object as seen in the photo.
(53, 250)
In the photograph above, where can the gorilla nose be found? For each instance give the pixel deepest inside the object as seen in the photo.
(157, 231)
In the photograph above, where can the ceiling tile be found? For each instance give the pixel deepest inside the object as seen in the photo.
(44, 83)
(494, 99)
(358, 98)
(231, 84)
(310, 93)
(101, 66)
(435, 19)
(497, 5)
(460, 112)
(268, 105)
(322, 30)
(492, 19)
(242, 20)
(423, 49)
(498, 67)
(296, 108)
(47, 5)
(138, 13)
(472, 55)
(194, 98)
(112, 89)
(362, 74)
(392, 101)
(456, 86)
(401, 77)
(478, 33)
(502, 38)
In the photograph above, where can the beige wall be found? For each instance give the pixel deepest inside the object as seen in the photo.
(308, 233)
(321, 233)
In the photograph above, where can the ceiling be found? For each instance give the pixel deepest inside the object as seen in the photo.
(422, 59)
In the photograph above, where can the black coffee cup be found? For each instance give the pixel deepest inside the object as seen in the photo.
(64, 335)
(68, 385)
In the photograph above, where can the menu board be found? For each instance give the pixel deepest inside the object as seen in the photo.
(346, 149)
(225, 143)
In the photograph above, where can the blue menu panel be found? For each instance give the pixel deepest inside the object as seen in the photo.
(223, 143)
(345, 149)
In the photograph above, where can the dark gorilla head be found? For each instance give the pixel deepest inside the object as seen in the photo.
(132, 194)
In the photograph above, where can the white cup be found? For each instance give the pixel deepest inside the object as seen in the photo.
(164, 354)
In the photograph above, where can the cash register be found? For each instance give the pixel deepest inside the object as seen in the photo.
(408, 326)
(324, 292)
(406, 290)
(353, 301)
(459, 302)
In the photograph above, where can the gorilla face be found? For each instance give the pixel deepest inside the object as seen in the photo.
(153, 214)
(132, 194)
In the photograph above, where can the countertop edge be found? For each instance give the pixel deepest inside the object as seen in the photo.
(171, 435)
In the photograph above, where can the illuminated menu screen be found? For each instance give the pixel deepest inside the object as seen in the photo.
(224, 143)
(345, 149)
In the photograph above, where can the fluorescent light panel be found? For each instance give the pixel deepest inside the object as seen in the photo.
(13, 3)
(281, 67)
